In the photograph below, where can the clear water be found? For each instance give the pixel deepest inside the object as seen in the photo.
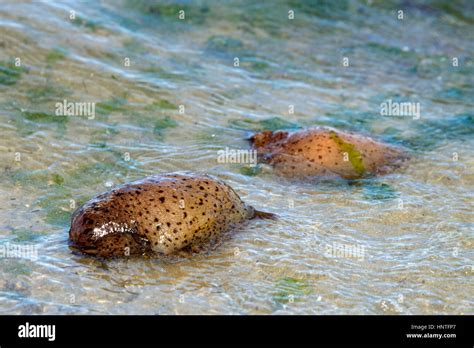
(411, 232)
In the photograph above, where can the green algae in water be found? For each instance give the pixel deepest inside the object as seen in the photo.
(326, 9)
(57, 179)
(90, 174)
(42, 178)
(24, 235)
(55, 203)
(10, 73)
(56, 208)
(259, 17)
(135, 46)
(58, 217)
(276, 123)
(43, 117)
(194, 14)
(224, 45)
(98, 144)
(164, 123)
(34, 178)
(272, 124)
(454, 9)
(164, 74)
(254, 64)
(112, 105)
(250, 170)
(404, 58)
(86, 23)
(349, 119)
(162, 104)
(46, 93)
(101, 135)
(288, 289)
(379, 192)
(55, 55)
(95, 171)
(388, 50)
(355, 156)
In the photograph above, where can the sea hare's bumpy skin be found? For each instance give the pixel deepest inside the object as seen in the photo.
(325, 152)
(162, 213)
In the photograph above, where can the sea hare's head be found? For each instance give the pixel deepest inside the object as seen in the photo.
(267, 138)
(97, 230)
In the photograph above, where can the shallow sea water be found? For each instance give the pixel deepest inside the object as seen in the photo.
(410, 232)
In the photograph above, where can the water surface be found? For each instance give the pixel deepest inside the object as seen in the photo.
(182, 100)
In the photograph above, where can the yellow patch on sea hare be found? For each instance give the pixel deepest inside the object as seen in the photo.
(355, 156)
